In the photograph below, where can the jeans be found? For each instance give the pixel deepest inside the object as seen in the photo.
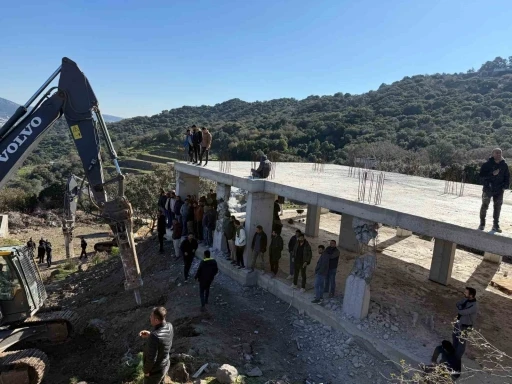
(255, 256)
(160, 241)
(232, 249)
(184, 226)
(169, 215)
(190, 153)
(240, 256)
(204, 292)
(209, 237)
(497, 200)
(177, 243)
(302, 270)
(459, 345)
(204, 151)
(158, 377)
(292, 265)
(319, 286)
(197, 150)
(187, 263)
(198, 229)
(274, 266)
(330, 281)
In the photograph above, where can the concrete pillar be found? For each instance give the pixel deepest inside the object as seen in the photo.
(313, 220)
(492, 258)
(4, 225)
(186, 184)
(403, 232)
(260, 209)
(442, 261)
(347, 239)
(219, 241)
(223, 191)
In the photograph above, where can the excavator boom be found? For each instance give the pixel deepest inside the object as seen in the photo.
(75, 99)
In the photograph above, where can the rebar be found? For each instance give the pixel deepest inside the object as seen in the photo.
(453, 187)
(371, 187)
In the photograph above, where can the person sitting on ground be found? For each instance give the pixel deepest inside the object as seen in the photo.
(274, 252)
(205, 273)
(448, 358)
(258, 248)
(159, 343)
(161, 229)
(83, 245)
(495, 177)
(188, 248)
(176, 237)
(302, 255)
(264, 168)
(321, 272)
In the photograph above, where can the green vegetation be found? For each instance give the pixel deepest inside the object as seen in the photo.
(132, 371)
(115, 252)
(9, 242)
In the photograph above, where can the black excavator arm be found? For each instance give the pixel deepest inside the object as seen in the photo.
(75, 99)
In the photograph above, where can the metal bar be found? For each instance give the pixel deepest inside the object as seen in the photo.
(41, 89)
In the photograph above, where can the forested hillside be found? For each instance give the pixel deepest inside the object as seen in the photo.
(439, 126)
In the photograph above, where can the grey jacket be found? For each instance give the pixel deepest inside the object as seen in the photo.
(467, 311)
(322, 265)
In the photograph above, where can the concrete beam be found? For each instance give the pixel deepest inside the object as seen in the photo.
(259, 211)
(492, 258)
(186, 184)
(403, 232)
(347, 239)
(442, 261)
(313, 220)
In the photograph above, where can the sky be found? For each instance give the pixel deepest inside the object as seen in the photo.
(142, 57)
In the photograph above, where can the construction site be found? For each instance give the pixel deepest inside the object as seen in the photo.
(269, 332)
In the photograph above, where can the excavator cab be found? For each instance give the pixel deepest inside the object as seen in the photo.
(22, 292)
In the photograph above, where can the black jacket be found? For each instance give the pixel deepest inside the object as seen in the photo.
(229, 229)
(291, 243)
(83, 244)
(177, 207)
(197, 138)
(265, 167)
(189, 247)
(156, 355)
(495, 184)
(206, 271)
(160, 225)
(276, 247)
(263, 245)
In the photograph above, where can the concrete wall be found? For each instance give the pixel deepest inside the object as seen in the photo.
(4, 225)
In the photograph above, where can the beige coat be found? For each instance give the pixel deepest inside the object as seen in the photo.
(207, 139)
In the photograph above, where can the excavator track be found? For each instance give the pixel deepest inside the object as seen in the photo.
(27, 366)
(63, 323)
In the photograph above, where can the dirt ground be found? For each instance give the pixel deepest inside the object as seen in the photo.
(401, 282)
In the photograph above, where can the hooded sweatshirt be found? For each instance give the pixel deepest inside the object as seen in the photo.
(495, 184)
(265, 166)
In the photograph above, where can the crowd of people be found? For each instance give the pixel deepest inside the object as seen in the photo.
(44, 249)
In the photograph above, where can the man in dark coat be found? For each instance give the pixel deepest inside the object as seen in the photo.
(188, 249)
(274, 252)
(258, 248)
(291, 247)
(264, 168)
(197, 138)
(159, 343)
(83, 245)
(302, 255)
(205, 274)
(161, 229)
(41, 251)
(321, 272)
(48, 247)
(162, 200)
(495, 177)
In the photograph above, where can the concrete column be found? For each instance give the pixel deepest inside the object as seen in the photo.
(223, 191)
(347, 239)
(4, 225)
(403, 232)
(186, 184)
(313, 220)
(492, 258)
(259, 211)
(219, 241)
(442, 261)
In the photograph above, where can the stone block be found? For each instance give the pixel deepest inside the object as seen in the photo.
(400, 232)
(492, 258)
(356, 300)
(442, 261)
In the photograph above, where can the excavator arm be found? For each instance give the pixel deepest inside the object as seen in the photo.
(75, 99)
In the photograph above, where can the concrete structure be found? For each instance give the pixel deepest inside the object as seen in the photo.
(313, 220)
(400, 232)
(492, 258)
(442, 261)
(356, 301)
(4, 225)
(408, 202)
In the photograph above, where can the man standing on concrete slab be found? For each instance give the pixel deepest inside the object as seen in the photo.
(274, 252)
(495, 177)
(205, 273)
(197, 138)
(176, 237)
(229, 233)
(206, 143)
(467, 309)
(156, 354)
(334, 257)
(291, 247)
(258, 248)
(240, 243)
(189, 145)
(188, 248)
(448, 358)
(302, 255)
(321, 272)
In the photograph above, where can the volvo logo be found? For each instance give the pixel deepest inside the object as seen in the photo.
(20, 139)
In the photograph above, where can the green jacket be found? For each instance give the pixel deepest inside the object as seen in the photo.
(276, 247)
(307, 255)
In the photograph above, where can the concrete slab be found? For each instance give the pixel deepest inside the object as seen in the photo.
(413, 203)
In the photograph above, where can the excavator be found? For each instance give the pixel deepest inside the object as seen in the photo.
(22, 293)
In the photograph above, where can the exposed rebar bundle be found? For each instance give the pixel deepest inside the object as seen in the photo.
(371, 186)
